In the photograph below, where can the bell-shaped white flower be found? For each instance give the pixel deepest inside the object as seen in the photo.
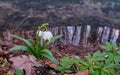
(47, 35)
(40, 33)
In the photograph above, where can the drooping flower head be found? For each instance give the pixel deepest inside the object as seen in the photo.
(40, 33)
(45, 35)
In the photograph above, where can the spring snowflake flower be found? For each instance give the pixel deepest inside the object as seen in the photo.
(47, 35)
(40, 33)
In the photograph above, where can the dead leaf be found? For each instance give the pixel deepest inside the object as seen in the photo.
(85, 72)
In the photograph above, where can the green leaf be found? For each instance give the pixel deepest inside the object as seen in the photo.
(97, 72)
(103, 73)
(118, 52)
(68, 71)
(114, 45)
(83, 63)
(83, 68)
(91, 70)
(96, 67)
(97, 53)
(117, 59)
(25, 48)
(19, 72)
(60, 68)
(117, 72)
(107, 46)
(110, 66)
(46, 51)
(28, 42)
(47, 54)
(109, 60)
(112, 71)
(89, 59)
(65, 62)
(52, 40)
(67, 66)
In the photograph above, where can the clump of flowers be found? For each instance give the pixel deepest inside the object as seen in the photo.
(38, 48)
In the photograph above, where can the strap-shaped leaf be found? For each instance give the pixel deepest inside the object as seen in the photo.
(26, 41)
(52, 40)
(48, 54)
(25, 48)
(46, 51)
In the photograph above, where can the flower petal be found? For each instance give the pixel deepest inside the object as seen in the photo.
(47, 35)
(40, 33)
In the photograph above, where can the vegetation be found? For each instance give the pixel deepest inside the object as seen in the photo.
(103, 63)
(37, 48)
(68, 65)
(98, 63)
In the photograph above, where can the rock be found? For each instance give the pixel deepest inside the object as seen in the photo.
(24, 62)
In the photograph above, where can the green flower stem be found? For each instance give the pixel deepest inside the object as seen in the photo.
(37, 46)
(43, 26)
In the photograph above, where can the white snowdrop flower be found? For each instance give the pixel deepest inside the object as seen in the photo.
(47, 35)
(40, 33)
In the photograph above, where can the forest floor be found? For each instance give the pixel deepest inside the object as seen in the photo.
(58, 52)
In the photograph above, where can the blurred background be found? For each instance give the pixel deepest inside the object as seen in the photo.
(28, 14)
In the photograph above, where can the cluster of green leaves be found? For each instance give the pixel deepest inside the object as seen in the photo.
(36, 48)
(98, 63)
(113, 52)
(103, 63)
(68, 65)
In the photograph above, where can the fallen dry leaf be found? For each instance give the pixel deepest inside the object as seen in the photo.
(85, 72)
(52, 65)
